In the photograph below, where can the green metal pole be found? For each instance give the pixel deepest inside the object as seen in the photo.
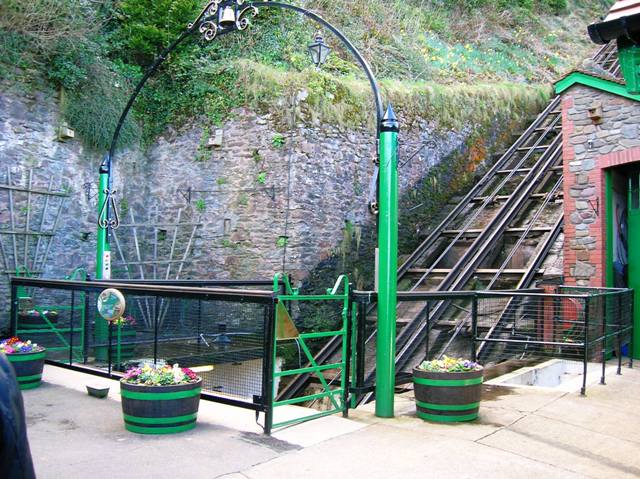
(103, 253)
(388, 264)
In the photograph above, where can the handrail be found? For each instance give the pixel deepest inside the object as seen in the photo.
(253, 294)
(285, 281)
(342, 278)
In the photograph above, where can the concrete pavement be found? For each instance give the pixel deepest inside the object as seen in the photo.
(522, 432)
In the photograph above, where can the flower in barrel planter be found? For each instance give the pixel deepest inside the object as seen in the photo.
(160, 400)
(27, 359)
(448, 389)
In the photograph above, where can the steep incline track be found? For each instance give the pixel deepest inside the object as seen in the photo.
(496, 237)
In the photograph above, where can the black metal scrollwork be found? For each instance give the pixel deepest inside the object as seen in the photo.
(104, 220)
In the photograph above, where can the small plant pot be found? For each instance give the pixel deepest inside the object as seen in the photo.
(160, 409)
(447, 397)
(98, 392)
(28, 367)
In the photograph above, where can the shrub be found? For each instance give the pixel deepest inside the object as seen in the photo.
(46, 23)
(94, 109)
(147, 26)
(556, 6)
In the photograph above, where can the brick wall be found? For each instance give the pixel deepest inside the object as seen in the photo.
(587, 150)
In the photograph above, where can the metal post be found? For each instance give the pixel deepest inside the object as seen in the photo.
(603, 346)
(13, 324)
(428, 331)
(619, 335)
(387, 273)
(110, 335)
(268, 364)
(85, 329)
(103, 253)
(633, 326)
(360, 349)
(347, 363)
(585, 352)
(474, 327)
(156, 325)
(199, 324)
(71, 318)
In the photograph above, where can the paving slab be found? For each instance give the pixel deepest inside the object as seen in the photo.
(384, 451)
(76, 436)
(490, 420)
(574, 448)
(521, 432)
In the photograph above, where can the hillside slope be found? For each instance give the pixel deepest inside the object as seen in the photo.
(97, 50)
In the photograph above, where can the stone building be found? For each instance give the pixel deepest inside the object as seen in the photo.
(601, 158)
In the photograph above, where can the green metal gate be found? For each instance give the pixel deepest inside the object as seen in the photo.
(47, 320)
(336, 389)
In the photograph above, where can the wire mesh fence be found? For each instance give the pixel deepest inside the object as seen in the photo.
(524, 325)
(229, 333)
(580, 324)
(224, 332)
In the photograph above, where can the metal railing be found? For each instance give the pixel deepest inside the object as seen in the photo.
(240, 337)
(226, 330)
(243, 341)
(582, 324)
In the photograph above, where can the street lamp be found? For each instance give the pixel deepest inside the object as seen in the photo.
(318, 50)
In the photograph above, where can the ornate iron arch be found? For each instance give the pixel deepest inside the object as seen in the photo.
(221, 17)
(207, 24)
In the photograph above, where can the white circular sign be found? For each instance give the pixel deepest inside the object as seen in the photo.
(111, 304)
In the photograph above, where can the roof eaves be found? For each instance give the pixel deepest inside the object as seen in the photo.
(593, 81)
(625, 26)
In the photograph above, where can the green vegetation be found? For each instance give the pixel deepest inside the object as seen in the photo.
(262, 177)
(202, 154)
(200, 205)
(243, 199)
(282, 241)
(442, 59)
(277, 141)
(124, 207)
(227, 243)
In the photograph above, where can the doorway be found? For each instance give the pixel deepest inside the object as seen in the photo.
(623, 236)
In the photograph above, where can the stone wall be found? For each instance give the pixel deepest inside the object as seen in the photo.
(264, 198)
(29, 124)
(261, 185)
(588, 149)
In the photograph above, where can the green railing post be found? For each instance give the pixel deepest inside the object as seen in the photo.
(103, 253)
(388, 264)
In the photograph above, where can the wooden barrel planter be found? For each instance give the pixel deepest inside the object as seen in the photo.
(160, 409)
(28, 367)
(447, 397)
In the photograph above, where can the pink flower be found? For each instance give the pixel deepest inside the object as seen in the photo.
(132, 373)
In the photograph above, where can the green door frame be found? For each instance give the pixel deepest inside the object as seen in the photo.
(633, 215)
(609, 211)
